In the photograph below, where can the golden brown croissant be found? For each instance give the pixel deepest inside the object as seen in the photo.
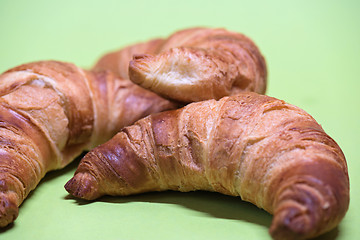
(262, 149)
(52, 111)
(193, 64)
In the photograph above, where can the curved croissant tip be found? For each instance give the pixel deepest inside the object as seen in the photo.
(138, 69)
(291, 224)
(8, 209)
(83, 185)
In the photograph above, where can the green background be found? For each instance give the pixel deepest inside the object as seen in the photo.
(312, 49)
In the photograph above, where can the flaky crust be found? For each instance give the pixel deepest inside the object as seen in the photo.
(201, 63)
(52, 111)
(262, 149)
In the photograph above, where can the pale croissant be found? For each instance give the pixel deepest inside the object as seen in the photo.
(52, 111)
(262, 149)
(193, 64)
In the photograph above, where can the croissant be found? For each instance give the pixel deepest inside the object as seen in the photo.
(262, 149)
(193, 64)
(52, 111)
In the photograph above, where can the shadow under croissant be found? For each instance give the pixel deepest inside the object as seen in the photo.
(211, 203)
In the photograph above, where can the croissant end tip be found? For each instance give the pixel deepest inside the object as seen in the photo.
(83, 185)
(296, 223)
(8, 209)
(139, 67)
(289, 227)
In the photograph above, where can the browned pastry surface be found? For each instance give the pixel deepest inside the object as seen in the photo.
(262, 149)
(193, 64)
(52, 111)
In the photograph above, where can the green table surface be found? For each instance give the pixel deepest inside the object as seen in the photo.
(312, 49)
